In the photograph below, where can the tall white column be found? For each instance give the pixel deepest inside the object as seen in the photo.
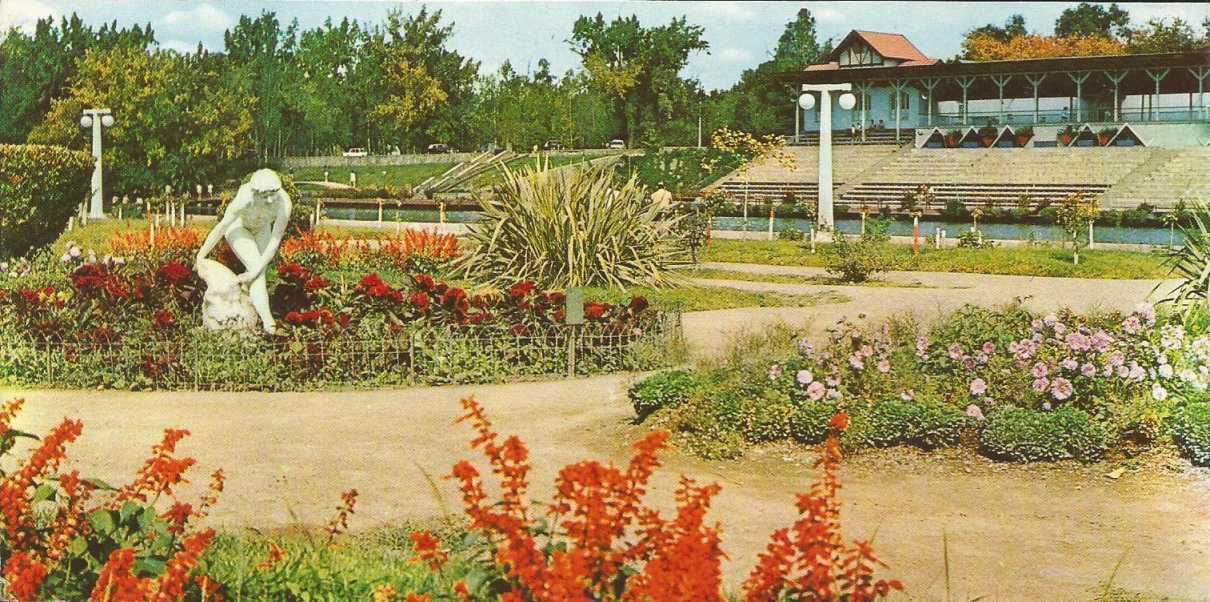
(96, 208)
(825, 160)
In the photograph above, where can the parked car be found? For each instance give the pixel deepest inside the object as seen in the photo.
(439, 148)
(616, 143)
(553, 145)
(356, 152)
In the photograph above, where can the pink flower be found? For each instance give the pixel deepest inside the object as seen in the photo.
(922, 346)
(816, 391)
(989, 348)
(981, 358)
(978, 387)
(1146, 312)
(1040, 370)
(1132, 325)
(804, 377)
(856, 362)
(1040, 384)
(1088, 370)
(1061, 388)
(1117, 358)
(832, 380)
(775, 372)
(866, 351)
(1078, 342)
(1069, 364)
(974, 411)
(908, 395)
(884, 366)
(956, 352)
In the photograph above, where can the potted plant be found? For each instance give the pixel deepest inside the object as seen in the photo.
(952, 137)
(1023, 135)
(1105, 135)
(1067, 135)
(987, 135)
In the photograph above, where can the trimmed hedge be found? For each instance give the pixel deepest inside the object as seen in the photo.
(1191, 430)
(661, 390)
(40, 188)
(1021, 435)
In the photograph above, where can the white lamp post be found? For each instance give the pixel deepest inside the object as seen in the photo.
(95, 118)
(807, 102)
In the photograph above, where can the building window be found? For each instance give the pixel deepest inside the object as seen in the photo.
(905, 99)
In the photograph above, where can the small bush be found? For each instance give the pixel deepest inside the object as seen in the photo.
(809, 423)
(40, 188)
(894, 422)
(1021, 435)
(767, 417)
(857, 261)
(1191, 429)
(790, 233)
(660, 391)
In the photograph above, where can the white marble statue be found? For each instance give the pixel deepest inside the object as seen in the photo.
(253, 225)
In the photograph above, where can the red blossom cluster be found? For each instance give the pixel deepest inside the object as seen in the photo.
(36, 550)
(397, 250)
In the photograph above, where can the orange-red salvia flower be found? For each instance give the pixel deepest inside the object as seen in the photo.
(24, 575)
(428, 550)
(274, 556)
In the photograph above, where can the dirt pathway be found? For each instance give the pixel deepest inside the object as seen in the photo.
(925, 295)
(1041, 533)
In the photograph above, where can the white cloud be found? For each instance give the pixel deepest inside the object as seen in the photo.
(203, 17)
(829, 15)
(735, 55)
(23, 14)
(178, 45)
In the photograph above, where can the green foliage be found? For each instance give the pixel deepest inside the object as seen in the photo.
(1190, 264)
(1191, 430)
(565, 229)
(790, 233)
(809, 423)
(856, 261)
(1022, 435)
(1088, 19)
(894, 422)
(973, 239)
(40, 188)
(683, 171)
(661, 390)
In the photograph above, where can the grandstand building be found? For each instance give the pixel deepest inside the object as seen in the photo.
(1130, 129)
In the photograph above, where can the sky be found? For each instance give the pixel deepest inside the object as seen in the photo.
(740, 34)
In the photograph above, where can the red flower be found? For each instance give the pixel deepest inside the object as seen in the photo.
(174, 272)
(638, 304)
(371, 281)
(294, 318)
(839, 422)
(420, 300)
(424, 282)
(316, 283)
(521, 289)
(164, 318)
(293, 271)
(595, 311)
(556, 298)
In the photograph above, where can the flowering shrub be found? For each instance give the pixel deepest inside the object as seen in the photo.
(179, 243)
(67, 537)
(597, 540)
(1122, 372)
(411, 250)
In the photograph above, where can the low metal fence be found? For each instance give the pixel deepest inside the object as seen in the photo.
(462, 355)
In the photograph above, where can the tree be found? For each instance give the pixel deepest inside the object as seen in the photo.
(1013, 26)
(987, 48)
(1160, 35)
(640, 67)
(1093, 20)
(177, 121)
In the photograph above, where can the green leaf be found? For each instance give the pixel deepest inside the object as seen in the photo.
(44, 492)
(101, 521)
(99, 484)
(128, 510)
(149, 567)
(78, 546)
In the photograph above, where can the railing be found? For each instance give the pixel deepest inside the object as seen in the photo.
(213, 361)
(1133, 115)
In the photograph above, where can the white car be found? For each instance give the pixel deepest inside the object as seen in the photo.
(616, 143)
(356, 152)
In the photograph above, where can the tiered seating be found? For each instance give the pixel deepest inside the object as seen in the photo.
(1179, 174)
(770, 179)
(871, 137)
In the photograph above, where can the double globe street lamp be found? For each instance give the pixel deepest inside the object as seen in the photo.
(807, 101)
(95, 119)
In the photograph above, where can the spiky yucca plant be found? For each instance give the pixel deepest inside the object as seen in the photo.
(571, 227)
(1191, 263)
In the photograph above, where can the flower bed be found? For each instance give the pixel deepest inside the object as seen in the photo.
(1026, 387)
(137, 324)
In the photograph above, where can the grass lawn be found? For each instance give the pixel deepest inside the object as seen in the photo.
(373, 175)
(718, 274)
(692, 297)
(492, 176)
(1022, 261)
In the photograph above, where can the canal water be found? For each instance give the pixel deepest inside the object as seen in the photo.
(1107, 234)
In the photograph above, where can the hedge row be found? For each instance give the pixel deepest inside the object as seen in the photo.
(40, 188)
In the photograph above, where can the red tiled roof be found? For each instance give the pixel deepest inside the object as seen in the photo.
(890, 45)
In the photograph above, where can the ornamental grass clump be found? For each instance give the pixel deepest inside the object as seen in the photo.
(572, 228)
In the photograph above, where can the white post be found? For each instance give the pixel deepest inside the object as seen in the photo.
(1035, 82)
(825, 219)
(96, 118)
(929, 84)
(1079, 79)
(1090, 241)
(1201, 73)
(966, 83)
(1157, 77)
(1001, 81)
(1116, 78)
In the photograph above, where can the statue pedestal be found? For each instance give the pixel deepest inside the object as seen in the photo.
(225, 305)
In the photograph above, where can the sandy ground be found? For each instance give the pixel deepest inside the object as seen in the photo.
(1014, 533)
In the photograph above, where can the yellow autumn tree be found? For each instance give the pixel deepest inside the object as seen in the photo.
(412, 95)
(983, 47)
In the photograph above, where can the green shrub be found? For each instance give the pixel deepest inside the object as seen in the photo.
(40, 188)
(894, 422)
(571, 228)
(1191, 429)
(767, 417)
(1021, 435)
(660, 391)
(857, 261)
(809, 423)
(790, 233)
(708, 426)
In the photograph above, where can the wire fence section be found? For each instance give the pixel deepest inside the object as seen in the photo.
(462, 355)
